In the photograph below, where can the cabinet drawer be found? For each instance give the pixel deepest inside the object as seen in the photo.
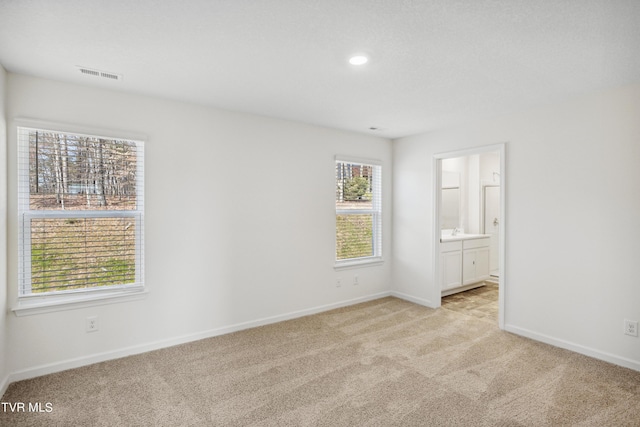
(475, 243)
(451, 246)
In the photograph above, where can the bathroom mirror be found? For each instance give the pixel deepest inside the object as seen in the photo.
(450, 208)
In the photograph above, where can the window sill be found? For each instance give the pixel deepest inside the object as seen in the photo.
(28, 306)
(358, 263)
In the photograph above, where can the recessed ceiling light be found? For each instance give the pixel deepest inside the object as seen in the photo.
(358, 60)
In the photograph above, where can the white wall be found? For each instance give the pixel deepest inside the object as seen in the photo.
(239, 217)
(573, 235)
(3, 232)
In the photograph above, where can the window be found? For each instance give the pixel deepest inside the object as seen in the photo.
(358, 212)
(81, 212)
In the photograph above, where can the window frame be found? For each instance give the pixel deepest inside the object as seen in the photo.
(36, 303)
(375, 211)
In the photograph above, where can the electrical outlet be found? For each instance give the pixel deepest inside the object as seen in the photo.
(631, 327)
(355, 280)
(338, 282)
(92, 324)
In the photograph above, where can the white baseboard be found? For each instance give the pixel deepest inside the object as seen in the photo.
(143, 348)
(4, 385)
(416, 300)
(577, 348)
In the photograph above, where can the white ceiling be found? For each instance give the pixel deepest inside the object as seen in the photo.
(433, 63)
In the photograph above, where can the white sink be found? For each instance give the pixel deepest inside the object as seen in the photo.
(462, 236)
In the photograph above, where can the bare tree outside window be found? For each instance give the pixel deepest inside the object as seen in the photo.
(72, 172)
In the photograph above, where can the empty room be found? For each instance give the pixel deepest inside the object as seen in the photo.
(303, 212)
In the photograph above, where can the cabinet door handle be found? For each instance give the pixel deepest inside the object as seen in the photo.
(495, 222)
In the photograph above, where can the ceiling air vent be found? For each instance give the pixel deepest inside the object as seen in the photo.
(98, 73)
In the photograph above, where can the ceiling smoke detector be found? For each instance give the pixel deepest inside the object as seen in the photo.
(97, 73)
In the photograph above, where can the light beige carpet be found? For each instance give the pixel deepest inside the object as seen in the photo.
(383, 363)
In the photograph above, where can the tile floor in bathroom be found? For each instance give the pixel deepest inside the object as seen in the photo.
(480, 302)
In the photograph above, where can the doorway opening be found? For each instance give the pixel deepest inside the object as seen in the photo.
(469, 212)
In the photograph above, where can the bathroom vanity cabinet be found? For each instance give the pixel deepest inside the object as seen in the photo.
(464, 262)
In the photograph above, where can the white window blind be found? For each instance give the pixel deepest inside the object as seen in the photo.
(81, 212)
(358, 211)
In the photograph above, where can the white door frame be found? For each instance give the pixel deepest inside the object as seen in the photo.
(484, 186)
(437, 201)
